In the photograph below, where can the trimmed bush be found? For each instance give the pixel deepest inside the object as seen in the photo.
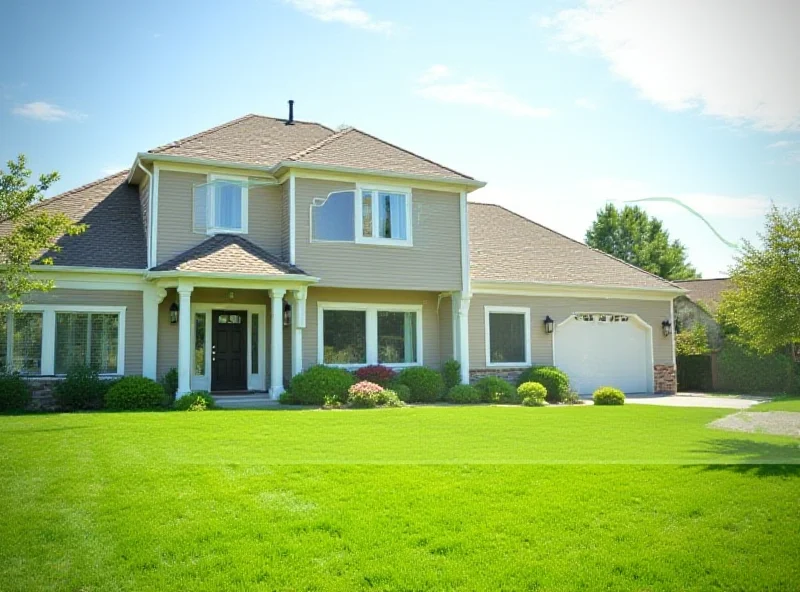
(608, 395)
(363, 391)
(365, 398)
(82, 388)
(451, 374)
(463, 394)
(402, 391)
(376, 374)
(553, 379)
(533, 402)
(15, 395)
(494, 389)
(532, 393)
(426, 385)
(135, 392)
(170, 383)
(389, 398)
(195, 401)
(312, 386)
(572, 398)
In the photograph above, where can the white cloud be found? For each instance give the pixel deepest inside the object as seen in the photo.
(342, 11)
(585, 103)
(436, 84)
(734, 59)
(782, 144)
(45, 112)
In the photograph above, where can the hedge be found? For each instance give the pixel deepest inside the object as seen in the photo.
(743, 371)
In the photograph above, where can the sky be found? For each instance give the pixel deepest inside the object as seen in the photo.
(560, 106)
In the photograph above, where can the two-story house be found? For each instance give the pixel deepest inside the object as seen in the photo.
(251, 251)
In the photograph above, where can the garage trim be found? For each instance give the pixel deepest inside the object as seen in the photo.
(650, 372)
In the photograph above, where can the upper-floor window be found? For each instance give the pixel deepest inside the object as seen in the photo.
(221, 205)
(332, 217)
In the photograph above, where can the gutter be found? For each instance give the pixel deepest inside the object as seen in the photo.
(522, 286)
(292, 277)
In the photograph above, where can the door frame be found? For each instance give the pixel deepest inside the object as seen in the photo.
(649, 370)
(255, 382)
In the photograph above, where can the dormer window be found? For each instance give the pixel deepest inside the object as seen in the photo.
(227, 205)
(383, 215)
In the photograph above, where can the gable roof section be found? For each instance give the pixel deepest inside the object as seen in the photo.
(115, 235)
(227, 253)
(507, 247)
(709, 291)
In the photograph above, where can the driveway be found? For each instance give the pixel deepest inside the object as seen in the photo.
(694, 400)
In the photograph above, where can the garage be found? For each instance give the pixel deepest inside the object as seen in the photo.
(602, 349)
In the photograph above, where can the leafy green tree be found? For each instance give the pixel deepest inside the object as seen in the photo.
(692, 342)
(633, 236)
(763, 308)
(26, 233)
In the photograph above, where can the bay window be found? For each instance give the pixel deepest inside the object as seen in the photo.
(508, 335)
(226, 209)
(332, 217)
(359, 334)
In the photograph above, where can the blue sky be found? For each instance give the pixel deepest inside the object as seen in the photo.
(560, 106)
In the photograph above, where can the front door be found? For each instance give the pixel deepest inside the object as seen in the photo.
(229, 350)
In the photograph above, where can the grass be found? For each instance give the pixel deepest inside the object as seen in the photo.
(784, 403)
(477, 498)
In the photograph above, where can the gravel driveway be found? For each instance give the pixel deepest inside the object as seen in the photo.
(782, 423)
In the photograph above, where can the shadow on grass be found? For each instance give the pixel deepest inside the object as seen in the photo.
(764, 459)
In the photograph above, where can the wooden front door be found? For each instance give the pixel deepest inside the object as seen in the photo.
(229, 350)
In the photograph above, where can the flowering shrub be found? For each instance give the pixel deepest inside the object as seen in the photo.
(378, 374)
(367, 394)
(364, 387)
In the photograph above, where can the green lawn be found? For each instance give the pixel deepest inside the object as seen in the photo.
(476, 498)
(786, 403)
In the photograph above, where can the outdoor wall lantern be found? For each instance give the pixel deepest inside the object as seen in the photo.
(548, 324)
(666, 328)
(287, 314)
(173, 313)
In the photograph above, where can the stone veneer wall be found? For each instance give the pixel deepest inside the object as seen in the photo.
(666, 382)
(42, 392)
(509, 374)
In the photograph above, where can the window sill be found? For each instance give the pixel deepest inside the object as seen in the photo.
(384, 242)
(508, 365)
(215, 231)
(365, 364)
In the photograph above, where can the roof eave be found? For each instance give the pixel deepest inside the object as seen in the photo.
(289, 277)
(511, 285)
(154, 157)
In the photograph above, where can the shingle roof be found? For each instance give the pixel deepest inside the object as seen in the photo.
(115, 237)
(227, 253)
(505, 246)
(709, 291)
(266, 141)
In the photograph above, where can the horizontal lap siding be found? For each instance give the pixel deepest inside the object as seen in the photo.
(559, 309)
(430, 322)
(175, 215)
(433, 263)
(130, 299)
(446, 329)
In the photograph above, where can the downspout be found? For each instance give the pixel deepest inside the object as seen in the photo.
(149, 209)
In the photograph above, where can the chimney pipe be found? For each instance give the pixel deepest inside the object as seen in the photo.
(290, 121)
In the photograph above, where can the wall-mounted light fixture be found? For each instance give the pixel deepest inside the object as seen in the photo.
(287, 314)
(666, 327)
(173, 313)
(549, 324)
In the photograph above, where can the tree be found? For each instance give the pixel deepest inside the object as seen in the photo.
(26, 233)
(763, 308)
(633, 236)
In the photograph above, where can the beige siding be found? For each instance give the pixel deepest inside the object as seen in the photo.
(430, 322)
(130, 299)
(167, 336)
(446, 329)
(652, 312)
(175, 212)
(144, 201)
(285, 237)
(433, 263)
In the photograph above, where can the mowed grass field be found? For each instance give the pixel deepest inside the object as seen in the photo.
(439, 498)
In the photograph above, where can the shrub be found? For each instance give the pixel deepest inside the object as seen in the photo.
(494, 389)
(195, 401)
(451, 374)
(312, 386)
(426, 385)
(463, 394)
(377, 374)
(533, 392)
(533, 402)
(607, 395)
(364, 394)
(402, 391)
(15, 395)
(134, 392)
(170, 383)
(80, 389)
(571, 398)
(553, 379)
(389, 398)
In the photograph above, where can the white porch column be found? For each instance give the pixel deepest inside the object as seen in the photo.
(184, 340)
(151, 298)
(276, 345)
(461, 309)
(298, 324)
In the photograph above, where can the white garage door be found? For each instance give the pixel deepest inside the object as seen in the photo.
(597, 349)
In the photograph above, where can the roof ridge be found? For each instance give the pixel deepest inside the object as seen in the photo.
(658, 277)
(320, 143)
(702, 280)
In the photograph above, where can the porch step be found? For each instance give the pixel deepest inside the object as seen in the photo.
(246, 401)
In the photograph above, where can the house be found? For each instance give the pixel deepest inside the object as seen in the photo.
(699, 305)
(246, 253)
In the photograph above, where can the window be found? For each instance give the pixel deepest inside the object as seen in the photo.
(227, 208)
(360, 334)
(253, 343)
(24, 342)
(90, 339)
(385, 216)
(507, 336)
(332, 217)
(199, 344)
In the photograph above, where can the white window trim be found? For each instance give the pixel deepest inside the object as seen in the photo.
(488, 310)
(211, 223)
(371, 329)
(48, 362)
(359, 225)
